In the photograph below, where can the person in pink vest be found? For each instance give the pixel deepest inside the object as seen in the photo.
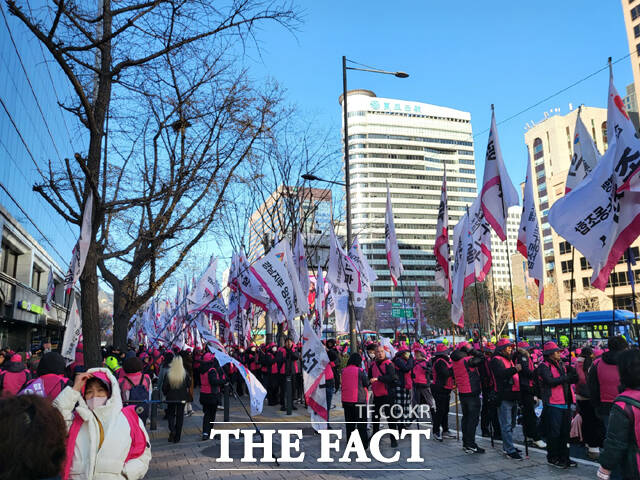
(522, 356)
(592, 427)
(355, 392)
(14, 376)
(621, 449)
(442, 383)
(421, 374)
(403, 361)
(603, 379)
(135, 386)
(287, 359)
(212, 378)
(50, 380)
(555, 379)
(507, 387)
(270, 373)
(383, 381)
(465, 363)
(105, 441)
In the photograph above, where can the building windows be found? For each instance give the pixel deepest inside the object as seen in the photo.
(636, 31)
(604, 134)
(36, 277)
(565, 247)
(584, 264)
(569, 284)
(466, 161)
(537, 149)
(567, 266)
(9, 260)
(635, 12)
(585, 282)
(467, 170)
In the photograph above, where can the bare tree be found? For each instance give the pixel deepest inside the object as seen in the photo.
(144, 67)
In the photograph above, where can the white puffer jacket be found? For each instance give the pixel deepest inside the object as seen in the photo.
(89, 463)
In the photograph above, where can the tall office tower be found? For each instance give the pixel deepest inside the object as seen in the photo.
(551, 145)
(631, 13)
(406, 145)
(499, 257)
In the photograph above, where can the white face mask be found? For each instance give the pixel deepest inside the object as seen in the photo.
(94, 402)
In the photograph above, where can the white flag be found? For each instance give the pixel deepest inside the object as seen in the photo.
(463, 273)
(441, 248)
(498, 193)
(79, 254)
(72, 333)
(598, 217)
(300, 260)
(367, 274)
(51, 291)
(249, 285)
(529, 244)
(300, 298)
(479, 251)
(257, 392)
(585, 156)
(276, 278)
(320, 313)
(391, 244)
(314, 363)
(341, 270)
(389, 349)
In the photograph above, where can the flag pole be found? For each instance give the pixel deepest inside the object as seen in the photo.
(632, 280)
(571, 282)
(541, 325)
(495, 305)
(404, 306)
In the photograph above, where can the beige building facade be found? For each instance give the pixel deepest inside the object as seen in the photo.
(550, 144)
(631, 13)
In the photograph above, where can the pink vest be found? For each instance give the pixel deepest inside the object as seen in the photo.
(557, 392)
(205, 386)
(449, 384)
(420, 372)
(351, 384)
(609, 379)
(515, 387)
(51, 383)
(379, 388)
(461, 374)
(328, 371)
(12, 382)
(633, 412)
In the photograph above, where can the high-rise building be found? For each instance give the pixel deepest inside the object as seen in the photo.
(631, 13)
(406, 145)
(551, 145)
(499, 257)
(288, 209)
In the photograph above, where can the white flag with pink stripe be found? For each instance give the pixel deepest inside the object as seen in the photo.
(391, 244)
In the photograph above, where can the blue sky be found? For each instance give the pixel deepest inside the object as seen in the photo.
(464, 55)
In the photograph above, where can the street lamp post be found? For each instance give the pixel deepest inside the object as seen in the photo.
(353, 340)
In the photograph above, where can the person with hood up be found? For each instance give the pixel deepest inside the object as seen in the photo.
(212, 378)
(176, 387)
(50, 380)
(421, 374)
(268, 360)
(14, 376)
(105, 441)
(404, 368)
(507, 386)
(442, 383)
(555, 380)
(621, 447)
(465, 363)
(603, 379)
(354, 397)
(287, 360)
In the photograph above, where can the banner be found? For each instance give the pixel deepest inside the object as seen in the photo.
(72, 333)
(314, 363)
(600, 217)
(341, 270)
(585, 156)
(498, 193)
(391, 244)
(79, 254)
(529, 244)
(441, 248)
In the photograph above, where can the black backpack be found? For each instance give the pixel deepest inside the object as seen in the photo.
(139, 393)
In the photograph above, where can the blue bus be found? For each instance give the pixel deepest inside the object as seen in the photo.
(591, 327)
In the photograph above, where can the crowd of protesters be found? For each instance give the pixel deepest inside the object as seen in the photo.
(590, 395)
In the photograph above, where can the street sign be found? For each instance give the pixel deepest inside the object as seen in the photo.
(397, 311)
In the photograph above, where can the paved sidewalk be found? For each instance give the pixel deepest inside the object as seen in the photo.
(196, 459)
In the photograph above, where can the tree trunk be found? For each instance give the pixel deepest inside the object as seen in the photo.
(121, 317)
(89, 308)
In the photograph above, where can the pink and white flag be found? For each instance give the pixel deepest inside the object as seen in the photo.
(342, 271)
(314, 363)
(498, 193)
(585, 156)
(300, 260)
(391, 244)
(441, 248)
(79, 254)
(601, 216)
(529, 244)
